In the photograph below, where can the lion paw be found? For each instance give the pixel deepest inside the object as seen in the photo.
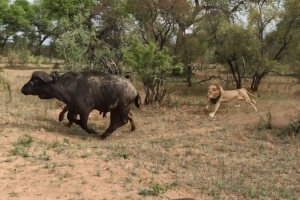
(211, 114)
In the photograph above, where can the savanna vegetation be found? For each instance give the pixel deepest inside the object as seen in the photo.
(172, 49)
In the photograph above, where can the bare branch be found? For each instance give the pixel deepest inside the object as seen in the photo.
(208, 79)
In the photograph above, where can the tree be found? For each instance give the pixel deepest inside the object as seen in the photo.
(269, 55)
(67, 8)
(4, 10)
(16, 17)
(79, 42)
(110, 29)
(235, 45)
(73, 44)
(251, 49)
(151, 63)
(43, 26)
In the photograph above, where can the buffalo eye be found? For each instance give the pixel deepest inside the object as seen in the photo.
(34, 81)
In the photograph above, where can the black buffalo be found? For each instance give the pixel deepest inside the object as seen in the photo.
(70, 118)
(85, 91)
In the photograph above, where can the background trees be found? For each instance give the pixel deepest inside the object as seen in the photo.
(247, 38)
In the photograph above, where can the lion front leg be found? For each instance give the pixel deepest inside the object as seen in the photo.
(212, 114)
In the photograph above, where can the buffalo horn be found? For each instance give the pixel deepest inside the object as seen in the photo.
(42, 75)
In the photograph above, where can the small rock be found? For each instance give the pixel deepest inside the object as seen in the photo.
(42, 130)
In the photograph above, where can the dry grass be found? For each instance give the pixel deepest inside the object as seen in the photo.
(177, 151)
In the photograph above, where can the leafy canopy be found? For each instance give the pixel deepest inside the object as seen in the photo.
(146, 59)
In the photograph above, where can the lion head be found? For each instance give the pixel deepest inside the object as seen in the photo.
(214, 93)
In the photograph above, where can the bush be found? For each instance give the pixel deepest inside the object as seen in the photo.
(293, 128)
(38, 60)
(5, 84)
(12, 57)
(266, 124)
(23, 57)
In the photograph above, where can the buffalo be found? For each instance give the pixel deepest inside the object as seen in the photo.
(85, 91)
(66, 109)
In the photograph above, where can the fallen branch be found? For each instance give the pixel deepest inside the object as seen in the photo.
(280, 74)
(210, 79)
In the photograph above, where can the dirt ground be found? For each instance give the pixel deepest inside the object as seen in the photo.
(177, 151)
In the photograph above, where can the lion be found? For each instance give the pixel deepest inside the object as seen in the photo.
(217, 94)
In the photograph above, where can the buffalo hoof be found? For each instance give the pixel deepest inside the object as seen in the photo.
(92, 132)
(103, 137)
(132, 129)
(68, 125)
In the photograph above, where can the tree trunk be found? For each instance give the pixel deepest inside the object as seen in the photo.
(52, 49)
(238, 84)
(3, 44)
(189, 75)
(155, 91)
(39, 48)
(255, 82)
(148, 96)
(256, 79)
(149, 90)
(239, 79)
(236, 74)
(91, 53)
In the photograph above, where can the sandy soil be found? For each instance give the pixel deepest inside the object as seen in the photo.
(66, 163)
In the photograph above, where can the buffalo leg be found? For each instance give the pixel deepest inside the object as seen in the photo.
(130, 118)
(104, 114)
(83, 123)
(62, 113)
(72, 118)
(118, 118)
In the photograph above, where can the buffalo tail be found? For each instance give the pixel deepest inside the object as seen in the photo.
(137, 100)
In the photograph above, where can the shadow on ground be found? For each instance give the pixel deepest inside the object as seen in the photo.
(55, 127)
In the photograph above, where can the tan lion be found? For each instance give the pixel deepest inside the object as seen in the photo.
(217, 94)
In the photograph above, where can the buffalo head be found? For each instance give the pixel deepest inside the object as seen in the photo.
(40, 84)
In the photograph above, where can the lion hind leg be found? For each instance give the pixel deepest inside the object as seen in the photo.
(253, 101)
(253, 105)
(241, 98)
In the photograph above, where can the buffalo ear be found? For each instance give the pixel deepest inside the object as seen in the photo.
(43, 76)
(55, 76)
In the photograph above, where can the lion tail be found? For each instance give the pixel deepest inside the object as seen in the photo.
(252, 94)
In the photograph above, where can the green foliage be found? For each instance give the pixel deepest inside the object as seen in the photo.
(3, 79)
(234, 42)
(25, 140)
(21, 146)
(5, 84)
(14, 17)
(154, 190)
(18, 54)
(4, 9)
(147, 60)
(11, 56)
(44, 26)
(20, 15)
(73, 44)
(69, 8)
